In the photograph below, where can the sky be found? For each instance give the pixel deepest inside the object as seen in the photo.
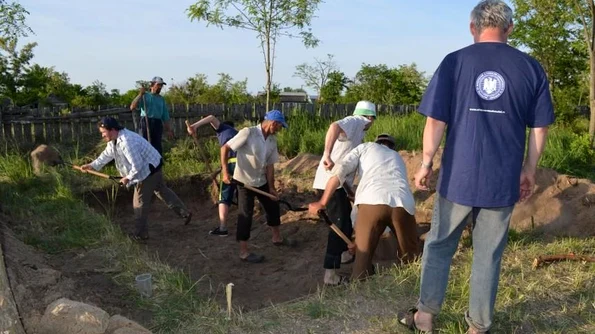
(121, 41)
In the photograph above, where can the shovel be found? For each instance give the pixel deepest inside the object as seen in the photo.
(335, 229)
(273, 197)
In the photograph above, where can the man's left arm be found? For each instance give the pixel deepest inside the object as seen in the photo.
(536, 144)
(270, 169)
(270, 175)
(538, 120)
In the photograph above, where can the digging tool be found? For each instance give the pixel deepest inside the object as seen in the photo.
(47, 155)
(335, 229)
(105, 176)
(204, 157)
(147, 119)
(273, 197)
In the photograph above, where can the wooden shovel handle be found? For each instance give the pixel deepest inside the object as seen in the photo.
(90, 171)
(335, 229)
(256, 190)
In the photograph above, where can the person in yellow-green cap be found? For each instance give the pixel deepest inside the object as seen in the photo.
(342, 137)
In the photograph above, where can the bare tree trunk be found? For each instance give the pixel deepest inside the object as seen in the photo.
(592, 98)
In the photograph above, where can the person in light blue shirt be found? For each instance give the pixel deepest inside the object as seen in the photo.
(154, 113)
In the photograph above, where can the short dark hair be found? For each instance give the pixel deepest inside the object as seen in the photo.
(109, 123)
(230, 123)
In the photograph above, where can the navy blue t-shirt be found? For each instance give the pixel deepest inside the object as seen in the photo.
(487, 94)
(225, 133)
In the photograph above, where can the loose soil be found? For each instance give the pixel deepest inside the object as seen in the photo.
(562, 205)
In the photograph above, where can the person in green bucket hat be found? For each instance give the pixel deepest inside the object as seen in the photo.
(342, 136)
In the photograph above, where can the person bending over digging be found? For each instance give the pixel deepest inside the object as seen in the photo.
(225, 131)
(139, 164)
(341, 137)
(256, 149)
(383, 199)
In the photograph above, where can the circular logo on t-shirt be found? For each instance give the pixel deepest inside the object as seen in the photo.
(490, 85)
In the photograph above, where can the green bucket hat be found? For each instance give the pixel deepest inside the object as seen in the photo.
(365, 108)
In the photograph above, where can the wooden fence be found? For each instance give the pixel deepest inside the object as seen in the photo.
(46, 125)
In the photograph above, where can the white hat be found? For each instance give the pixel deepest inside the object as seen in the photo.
(365, 108)
(158, 80)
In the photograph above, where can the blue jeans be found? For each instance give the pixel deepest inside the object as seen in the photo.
(490, 234)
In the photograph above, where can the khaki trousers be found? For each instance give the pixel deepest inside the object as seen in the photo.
(370, 223)
(141, 202)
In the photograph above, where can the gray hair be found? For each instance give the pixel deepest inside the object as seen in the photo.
(491, 14)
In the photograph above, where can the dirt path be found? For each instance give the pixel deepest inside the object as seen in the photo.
(286, 274)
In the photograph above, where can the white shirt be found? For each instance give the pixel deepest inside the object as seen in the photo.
(254, 154)
(353, 126)
(383, 176)
(132, 154)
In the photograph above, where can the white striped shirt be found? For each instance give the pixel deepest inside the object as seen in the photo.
(132, 154)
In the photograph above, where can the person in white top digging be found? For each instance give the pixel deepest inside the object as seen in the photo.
(341, 137)
(383, 199)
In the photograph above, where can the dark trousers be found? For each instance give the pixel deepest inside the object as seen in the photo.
(338, 210)
(156, 131)
(246, 210)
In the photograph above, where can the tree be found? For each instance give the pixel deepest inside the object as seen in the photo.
(586, 12)
(270, 19)
(390, 86)
(13, 63)
(560, 35)
(13, 66)
(550, 32)
(316, 75)
(333, 89)
(12, 21)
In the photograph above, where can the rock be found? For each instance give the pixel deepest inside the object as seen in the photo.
(121, 325)
(67, 316)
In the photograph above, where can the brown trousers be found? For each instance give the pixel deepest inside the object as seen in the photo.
(370, 223)
(141, 202)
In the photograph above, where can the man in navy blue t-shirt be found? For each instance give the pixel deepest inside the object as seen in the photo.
(485, 96)
(225, 131)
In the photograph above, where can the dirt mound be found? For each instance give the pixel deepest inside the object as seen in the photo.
(36, 283)
(301, 164)
(561, 206)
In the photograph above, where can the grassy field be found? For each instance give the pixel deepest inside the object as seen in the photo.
(556, 299)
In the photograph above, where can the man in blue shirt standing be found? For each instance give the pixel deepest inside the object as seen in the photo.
(225, 131)
(485, 96)
(154, 113)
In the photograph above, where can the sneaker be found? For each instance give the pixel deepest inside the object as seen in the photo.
(217, 231)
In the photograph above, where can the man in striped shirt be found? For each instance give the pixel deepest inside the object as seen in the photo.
(139, 164)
